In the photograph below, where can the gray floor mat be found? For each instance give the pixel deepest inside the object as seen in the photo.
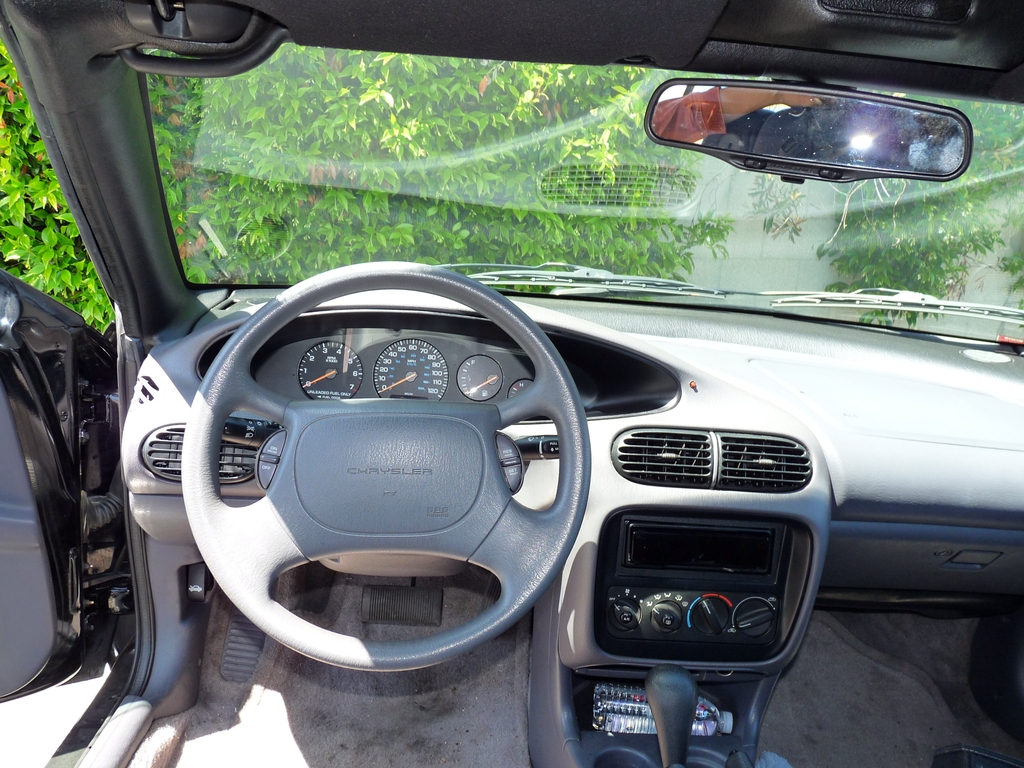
(941, 648)
(297, 712)
(845, 704)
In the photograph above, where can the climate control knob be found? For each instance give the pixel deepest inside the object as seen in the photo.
(753, 617)
(710, 615)
(625, 613)
(667, 616)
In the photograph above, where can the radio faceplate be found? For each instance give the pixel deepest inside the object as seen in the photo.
(689, 588)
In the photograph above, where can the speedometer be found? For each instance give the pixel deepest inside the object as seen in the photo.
(411, 368)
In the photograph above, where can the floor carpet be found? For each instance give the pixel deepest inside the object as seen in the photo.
(878, 691)
(865, 691)
(298, 712)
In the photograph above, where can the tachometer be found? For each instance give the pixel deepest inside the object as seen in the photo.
(330, 371)
(411, 368)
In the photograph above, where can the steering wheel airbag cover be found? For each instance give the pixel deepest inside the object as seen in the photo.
(383, 474)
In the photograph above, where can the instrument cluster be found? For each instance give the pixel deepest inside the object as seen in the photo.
(396, 363)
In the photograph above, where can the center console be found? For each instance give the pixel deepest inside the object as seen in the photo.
(693, 589)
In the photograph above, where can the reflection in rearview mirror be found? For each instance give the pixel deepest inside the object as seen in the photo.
(812, 133)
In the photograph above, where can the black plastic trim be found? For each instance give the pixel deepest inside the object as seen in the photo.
(936, 605)
(786, 581)
(217, 66)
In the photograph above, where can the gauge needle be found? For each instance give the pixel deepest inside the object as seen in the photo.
(410, 377)
(329, 375)
(483, 384)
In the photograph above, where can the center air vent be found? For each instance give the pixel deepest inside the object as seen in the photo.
(688, 458)
(629, 186)
(665, 457)
(762, 463)
(161, 453)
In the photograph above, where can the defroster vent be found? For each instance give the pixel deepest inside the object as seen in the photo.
(665, 457)
(161, 453)
(762, 463)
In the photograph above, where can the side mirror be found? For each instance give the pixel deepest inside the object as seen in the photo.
(804, 132)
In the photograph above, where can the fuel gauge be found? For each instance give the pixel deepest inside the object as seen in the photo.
(480, 377)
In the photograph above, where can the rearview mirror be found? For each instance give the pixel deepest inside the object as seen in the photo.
(803, 132)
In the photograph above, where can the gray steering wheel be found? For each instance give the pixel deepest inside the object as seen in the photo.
(373, 476)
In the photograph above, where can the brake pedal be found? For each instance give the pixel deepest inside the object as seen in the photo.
(402, 605)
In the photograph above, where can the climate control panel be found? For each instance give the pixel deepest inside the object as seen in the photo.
(679, 615)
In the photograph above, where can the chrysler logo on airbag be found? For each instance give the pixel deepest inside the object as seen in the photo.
(389, 470)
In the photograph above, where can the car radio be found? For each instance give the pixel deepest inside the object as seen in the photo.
(689, 588)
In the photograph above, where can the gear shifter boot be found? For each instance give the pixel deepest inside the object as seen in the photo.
(672, 696)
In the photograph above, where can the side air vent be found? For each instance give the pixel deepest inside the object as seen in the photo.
(762, 463)
(161, 453)
(664, 457)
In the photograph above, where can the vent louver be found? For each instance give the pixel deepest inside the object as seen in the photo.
(762, 463)
(161, 453)
(624, 186)
(665, 457)
(724, 460)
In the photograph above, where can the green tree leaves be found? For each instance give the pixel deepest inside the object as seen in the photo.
(926, 237)
(356, 156)
(39, 240)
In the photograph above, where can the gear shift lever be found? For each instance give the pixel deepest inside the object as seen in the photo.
(672, 697)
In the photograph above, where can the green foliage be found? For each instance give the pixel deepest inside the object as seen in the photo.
(926, 237)
(324, 158)
(928, 247)
(779, 203)
(39, 240)
(1013, 264)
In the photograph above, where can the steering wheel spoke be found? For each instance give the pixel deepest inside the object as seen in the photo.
(535, 401)
(518, 552)
(251, 396)
(267, 549)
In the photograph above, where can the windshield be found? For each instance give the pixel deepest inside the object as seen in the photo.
(322, 158)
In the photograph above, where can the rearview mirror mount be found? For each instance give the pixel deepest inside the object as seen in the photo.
(805, 132)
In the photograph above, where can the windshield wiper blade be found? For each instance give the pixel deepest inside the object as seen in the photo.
(888, 299)
(573, 279)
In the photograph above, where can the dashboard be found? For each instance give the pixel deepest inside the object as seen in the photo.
(911, 454)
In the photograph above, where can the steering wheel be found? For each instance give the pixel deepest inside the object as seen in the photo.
(393, 476)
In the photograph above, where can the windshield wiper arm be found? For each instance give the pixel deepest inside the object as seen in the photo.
(888, 299)
(569, 279)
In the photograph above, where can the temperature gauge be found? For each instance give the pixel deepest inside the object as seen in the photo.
(518, 387)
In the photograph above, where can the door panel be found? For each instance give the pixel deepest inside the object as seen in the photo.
(58, 445)
(28, 618)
